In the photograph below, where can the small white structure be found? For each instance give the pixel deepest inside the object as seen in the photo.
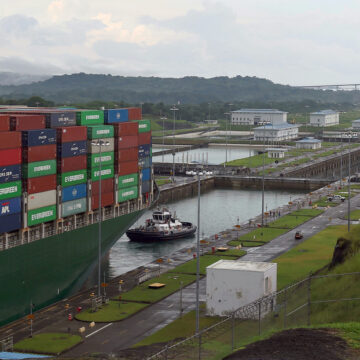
(324, 118)
(277, 132)
(308, 143)
(356, 124)
(211, 122)
(276, 153)
(258, 117)
(231, 284)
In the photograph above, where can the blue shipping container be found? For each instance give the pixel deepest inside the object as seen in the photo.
(38, 137)
(10, 173)
(10, 223)
(54, 120)
(70, 149)
(145, 162)
(74, 192)
(145, 187)
(112, 116)
(144, 151)
(146, 174)
(10, 206)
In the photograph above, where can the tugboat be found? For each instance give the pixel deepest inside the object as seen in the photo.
(162, 226)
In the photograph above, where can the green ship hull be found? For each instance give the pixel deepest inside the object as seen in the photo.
(47, 270)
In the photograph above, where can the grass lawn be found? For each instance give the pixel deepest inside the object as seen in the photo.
(310, 255)
(48, 343)
(355, 187)
(113, 311)
(265, 234)
(289, 221)
(172, 281)
(230, 252)
(307, 212)
(354, 215)
(205, 261)
(180, 328)
(245, 243)
(162, 181)
(252, 161)
(324, 203)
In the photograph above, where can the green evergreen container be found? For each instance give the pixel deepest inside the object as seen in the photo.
(41, 215)
(39, 168)
(128, 194)
(107, 158)
(128, 180)
(107, 172)
(72, 178)
(89, 117)
(100, 131)
(10, 190)
(144, 126)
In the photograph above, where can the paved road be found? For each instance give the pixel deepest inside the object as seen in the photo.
(130, 331)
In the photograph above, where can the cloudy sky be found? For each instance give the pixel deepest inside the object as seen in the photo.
(293, 42)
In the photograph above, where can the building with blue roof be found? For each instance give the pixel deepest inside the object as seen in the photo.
(324, 118)
(356, 124)
(277, 132)
(258, 117)
(308, 143)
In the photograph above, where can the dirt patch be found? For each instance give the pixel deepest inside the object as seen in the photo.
(298, 344)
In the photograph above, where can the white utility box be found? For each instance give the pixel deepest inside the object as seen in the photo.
(231, 284)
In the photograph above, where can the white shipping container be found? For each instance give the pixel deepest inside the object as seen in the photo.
(94, 149)
(232, 284)
(42, 199)
(73, 207)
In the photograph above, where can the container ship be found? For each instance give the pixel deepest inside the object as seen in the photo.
(51, 164)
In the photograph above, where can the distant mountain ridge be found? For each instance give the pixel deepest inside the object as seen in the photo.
(11, 78)
(77, 88)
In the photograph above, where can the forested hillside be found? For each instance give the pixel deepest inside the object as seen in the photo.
(82, 87)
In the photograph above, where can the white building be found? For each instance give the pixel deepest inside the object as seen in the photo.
(308, 143)
(258, 117)
(211, 122)
(278, 132)
(356, 124)
(231, 284)
(324, 118)
(276, 153)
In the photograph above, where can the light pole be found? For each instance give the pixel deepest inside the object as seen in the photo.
(341, 149)
(173, 109)
(263, 181)
(349, 183)
(163, 142)
(99, 143)
(226, 139)
(209, 111)
(197, 327)
(230, 105)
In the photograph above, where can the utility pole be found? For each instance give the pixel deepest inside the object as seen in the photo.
(173, 109)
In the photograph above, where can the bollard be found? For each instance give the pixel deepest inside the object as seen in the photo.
(79, 308)
(213, 249)
(70, 317)
(194, 256)
(92, 324)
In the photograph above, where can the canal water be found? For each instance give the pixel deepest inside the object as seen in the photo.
(221, 209)
(210, 155)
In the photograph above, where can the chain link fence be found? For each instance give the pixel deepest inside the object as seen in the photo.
(313, 300)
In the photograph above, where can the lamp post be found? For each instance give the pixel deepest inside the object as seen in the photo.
(226, 139)
(197, 327)
(230, 105)
(349, 183)
(341, 149)
(173, 109)
(99, 143)
(163, 139)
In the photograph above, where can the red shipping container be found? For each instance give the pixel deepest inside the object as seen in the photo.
(106, 200)
(4, 123)
(125, 142)
(134, 113)
(144, 138)
(10, 139)
(126, 129)
(71, 133)
(72, 163)
(10, 157)
(107, 186)
(39, 153)
(39, 184)
(131, 154)
(126, 168)
(27, 122)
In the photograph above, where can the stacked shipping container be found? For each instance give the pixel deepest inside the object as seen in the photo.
(49, 147)
(10, 177)
(72, 174)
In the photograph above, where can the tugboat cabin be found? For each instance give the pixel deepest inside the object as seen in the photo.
(161, 216)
